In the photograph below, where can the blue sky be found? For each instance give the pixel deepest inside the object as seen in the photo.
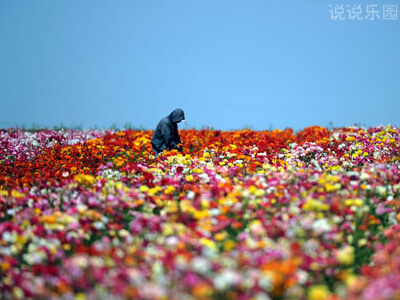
(228, 63)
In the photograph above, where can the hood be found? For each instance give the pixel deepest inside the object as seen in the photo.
(177, 115)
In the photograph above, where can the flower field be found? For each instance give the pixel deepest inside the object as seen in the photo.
(238, 215)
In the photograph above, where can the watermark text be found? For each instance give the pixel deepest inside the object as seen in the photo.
(371, 12)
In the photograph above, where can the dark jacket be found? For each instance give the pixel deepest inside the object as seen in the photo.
(166, 136)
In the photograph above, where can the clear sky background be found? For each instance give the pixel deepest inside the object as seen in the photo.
(227, 63)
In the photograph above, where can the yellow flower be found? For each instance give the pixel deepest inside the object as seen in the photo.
(348, 202)
(18, 293)
(220, 236)
(349, 278)
(85, 179)
(169, 190)
(185, 206)
(144, 188)
(229, 245)
(118, 185)
(315, 205)
(358, 202)
(3, 193)
(154, 191)
(171, 207)
(208, 243)
(332, 187)
(80, 296)
(189, 178)
(160, 203)
(318, 292)
(123, 233)
(205, 204)
(345, 256)
(201, 214)
(362, 242)
(20, 239)
(252, 189)
(168, 229)
(259, 193)
(17, 194)
(255, 223)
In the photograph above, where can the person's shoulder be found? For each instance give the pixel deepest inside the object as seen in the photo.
(165, 120)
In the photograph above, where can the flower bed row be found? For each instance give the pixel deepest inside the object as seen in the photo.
(238, 215)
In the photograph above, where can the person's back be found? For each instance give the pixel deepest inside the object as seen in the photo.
(166, 136)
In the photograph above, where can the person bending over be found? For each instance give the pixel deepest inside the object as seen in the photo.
(166, 136)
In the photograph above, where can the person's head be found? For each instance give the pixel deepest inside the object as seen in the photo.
(177, 115)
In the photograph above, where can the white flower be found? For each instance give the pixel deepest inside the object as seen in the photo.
(381, 190)
(191, 195)
(8, 237)
(265, 282)
(200, 265)
(302, 276)
(392, 218)
(215, 212)
(310, 247)
(262, 296)
(226, 279)
(321, 226)
(12, 211)
(171, 241)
